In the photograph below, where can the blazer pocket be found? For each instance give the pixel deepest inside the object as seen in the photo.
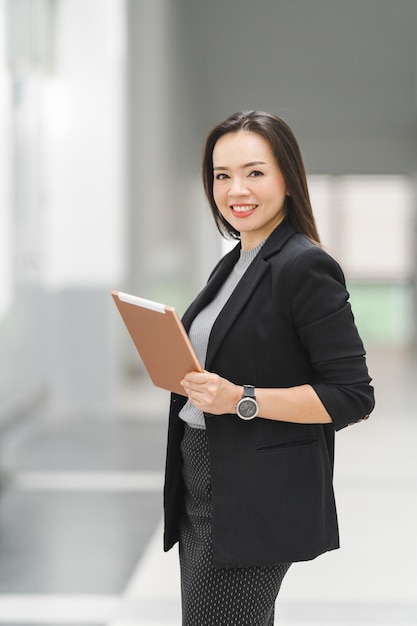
(286, 445)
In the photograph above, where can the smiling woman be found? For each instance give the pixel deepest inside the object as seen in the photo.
(287, 158)
(248, 486)
(249, 188)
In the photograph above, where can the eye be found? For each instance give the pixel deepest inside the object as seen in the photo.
(256, 173)
(221, 176)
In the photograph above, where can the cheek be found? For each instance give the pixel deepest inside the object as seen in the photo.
(218, 195)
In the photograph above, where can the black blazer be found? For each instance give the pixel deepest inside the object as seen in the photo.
(287, 323)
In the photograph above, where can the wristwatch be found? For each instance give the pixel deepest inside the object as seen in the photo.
(247, 407)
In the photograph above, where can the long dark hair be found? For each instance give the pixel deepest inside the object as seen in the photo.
(288, 156)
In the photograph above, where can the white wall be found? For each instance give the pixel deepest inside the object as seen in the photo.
(67, 69)
(85, 161)
(6, 170)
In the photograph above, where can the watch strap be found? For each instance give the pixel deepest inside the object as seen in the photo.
(248, 391)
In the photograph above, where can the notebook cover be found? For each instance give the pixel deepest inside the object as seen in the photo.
(160, 338)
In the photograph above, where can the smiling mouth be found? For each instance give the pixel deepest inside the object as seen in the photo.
(243, 210)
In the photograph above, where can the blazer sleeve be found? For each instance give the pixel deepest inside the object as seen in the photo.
(325, 324)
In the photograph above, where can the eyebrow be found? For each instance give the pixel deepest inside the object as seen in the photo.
(251, 164)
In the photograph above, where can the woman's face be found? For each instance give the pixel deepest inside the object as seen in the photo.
(248, 186)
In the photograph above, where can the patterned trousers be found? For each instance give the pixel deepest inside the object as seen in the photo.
(243, 596)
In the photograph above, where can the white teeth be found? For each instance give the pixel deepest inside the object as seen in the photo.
(244, 209)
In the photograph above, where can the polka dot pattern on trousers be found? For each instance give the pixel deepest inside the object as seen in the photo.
(216, 597)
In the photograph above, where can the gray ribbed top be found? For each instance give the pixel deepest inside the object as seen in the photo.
(200, 329)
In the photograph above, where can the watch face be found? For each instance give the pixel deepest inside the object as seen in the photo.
(247, 408)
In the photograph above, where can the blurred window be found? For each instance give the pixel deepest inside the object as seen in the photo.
(367, 223)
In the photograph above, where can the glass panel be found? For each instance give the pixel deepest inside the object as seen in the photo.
(383, 312)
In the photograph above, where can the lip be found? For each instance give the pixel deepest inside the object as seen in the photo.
(242, 213)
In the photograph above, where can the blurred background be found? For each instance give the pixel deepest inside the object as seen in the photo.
(104, 108)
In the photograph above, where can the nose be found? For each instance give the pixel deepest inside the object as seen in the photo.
(237, 187)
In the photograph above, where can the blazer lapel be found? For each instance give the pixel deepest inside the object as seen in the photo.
(245, 288)
(242, 292)
(234, 306)
(217, 278)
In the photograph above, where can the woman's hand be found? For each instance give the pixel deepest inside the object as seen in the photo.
(211, 393)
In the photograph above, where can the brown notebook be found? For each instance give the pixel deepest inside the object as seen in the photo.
(160, 339)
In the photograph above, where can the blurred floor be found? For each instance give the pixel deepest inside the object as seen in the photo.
(80, 511)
